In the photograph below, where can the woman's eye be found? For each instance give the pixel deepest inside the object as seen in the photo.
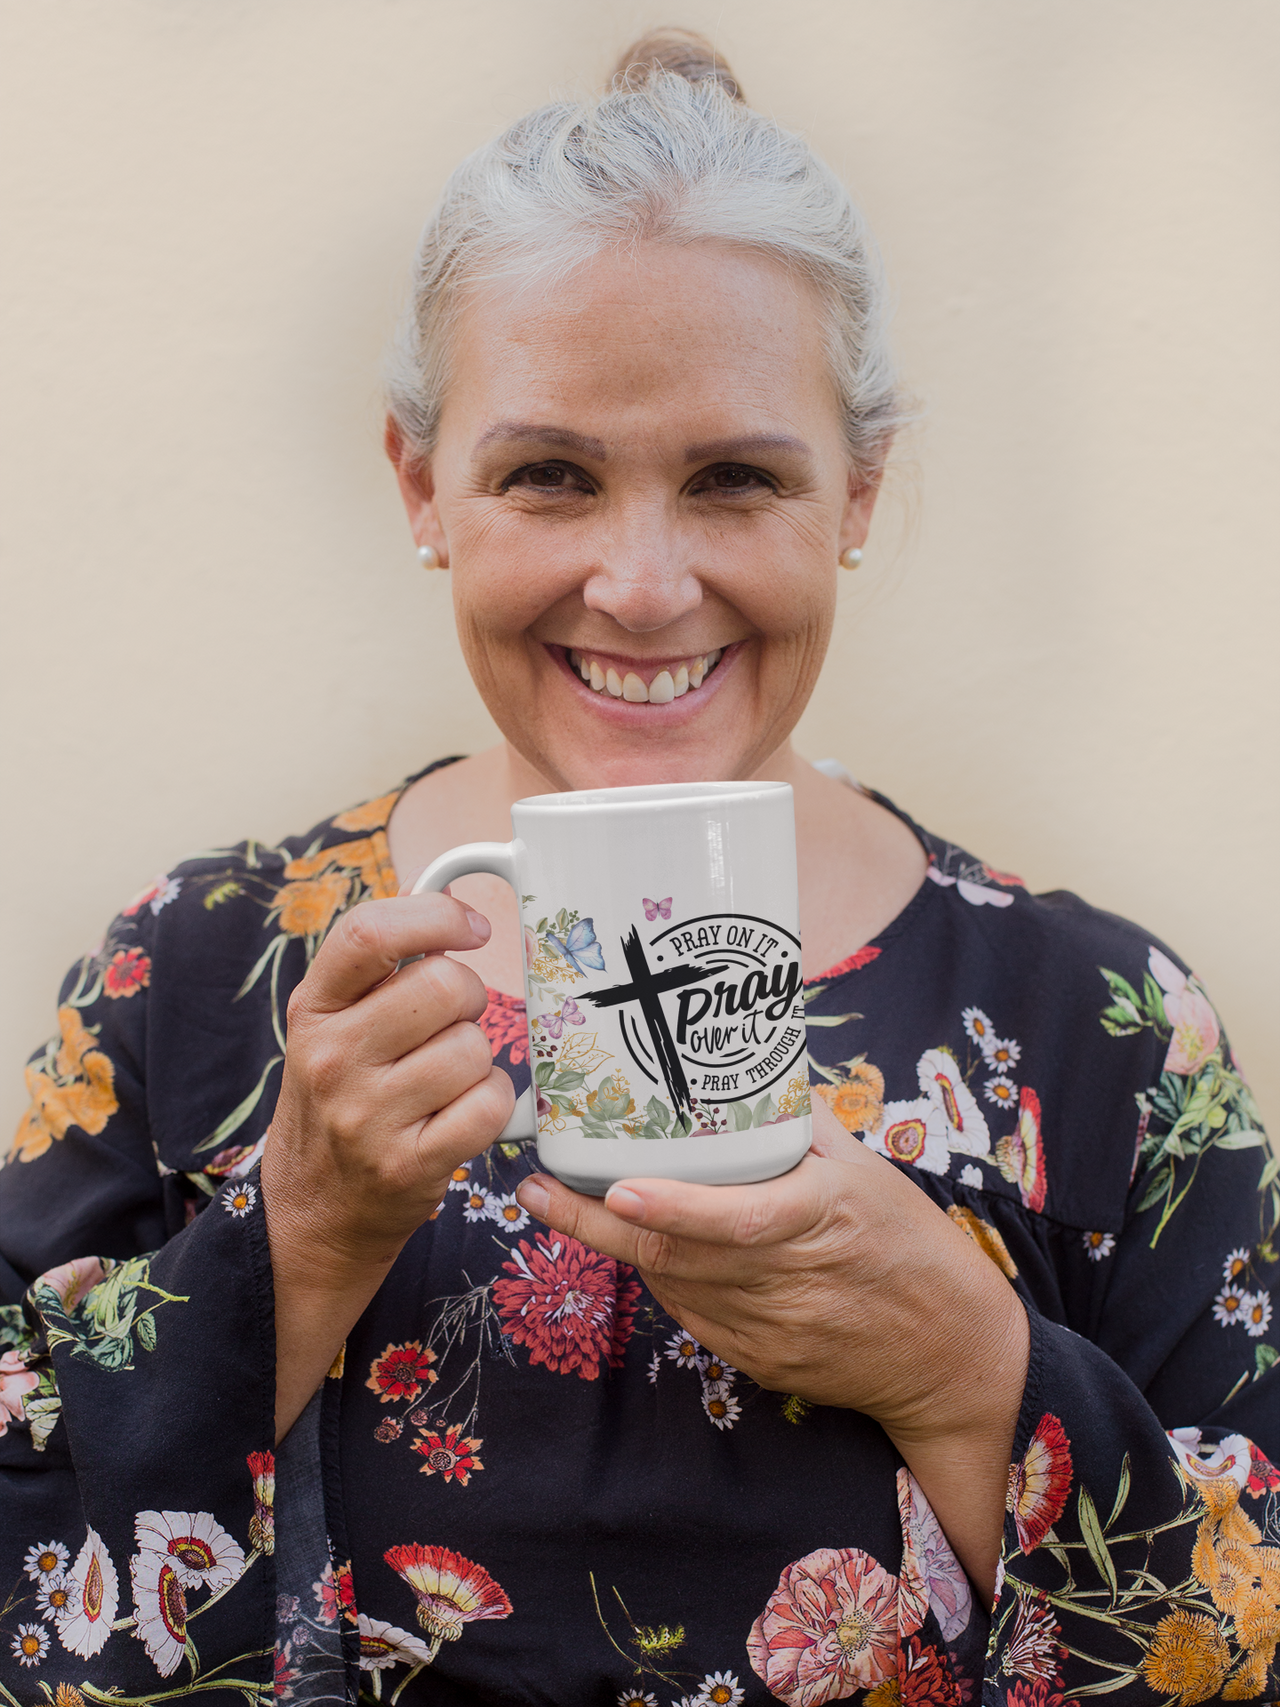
(548, 477)
(733, 477)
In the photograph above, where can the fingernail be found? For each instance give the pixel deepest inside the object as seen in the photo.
(480, 925)
(627, 1204)
(532, 1194)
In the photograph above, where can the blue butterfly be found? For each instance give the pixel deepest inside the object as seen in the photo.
(579, 947)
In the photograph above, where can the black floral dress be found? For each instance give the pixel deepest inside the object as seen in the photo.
(522, 1482)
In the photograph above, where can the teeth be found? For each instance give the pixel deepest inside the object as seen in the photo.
(664, 687)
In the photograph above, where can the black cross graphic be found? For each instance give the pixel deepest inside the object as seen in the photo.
(645, 988)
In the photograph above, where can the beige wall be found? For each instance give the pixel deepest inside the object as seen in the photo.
(215, 624)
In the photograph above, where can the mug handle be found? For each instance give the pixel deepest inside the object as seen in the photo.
(497, 858)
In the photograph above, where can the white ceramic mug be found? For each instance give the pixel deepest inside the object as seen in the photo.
(662, 980)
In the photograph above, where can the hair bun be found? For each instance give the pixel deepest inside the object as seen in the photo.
(683, 52)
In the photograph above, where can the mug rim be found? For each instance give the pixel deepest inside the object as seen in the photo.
(649, 795)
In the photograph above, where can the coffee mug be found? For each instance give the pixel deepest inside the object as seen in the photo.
(662, 980)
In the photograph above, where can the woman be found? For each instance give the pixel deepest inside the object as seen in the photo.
(895, 1423)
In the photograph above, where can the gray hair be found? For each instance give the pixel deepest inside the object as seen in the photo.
(669, 153)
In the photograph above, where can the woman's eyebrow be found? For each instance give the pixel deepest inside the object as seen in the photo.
(532, 432)
(739, 450)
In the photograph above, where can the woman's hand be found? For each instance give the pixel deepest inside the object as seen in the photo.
(843, 1283)
(389, 1085)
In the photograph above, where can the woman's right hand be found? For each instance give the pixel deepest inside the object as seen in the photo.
(389, 1085)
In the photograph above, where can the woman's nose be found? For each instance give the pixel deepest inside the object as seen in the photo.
(644, 582)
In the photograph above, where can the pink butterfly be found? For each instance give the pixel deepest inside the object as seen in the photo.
(569, 1014)
(653, 908)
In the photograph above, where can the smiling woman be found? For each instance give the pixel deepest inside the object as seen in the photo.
(892, 1426)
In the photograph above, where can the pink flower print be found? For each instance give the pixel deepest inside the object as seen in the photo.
(572, 1307)
(16, 1381)
(929, 1567)
(503, 1023)
(72, 1280)
(1196, 1031)
(829, 1630)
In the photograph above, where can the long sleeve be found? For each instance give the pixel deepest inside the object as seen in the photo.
(1142, 1541)
(136, 1378)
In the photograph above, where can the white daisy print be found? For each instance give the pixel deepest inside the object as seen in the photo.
(978, 1028)
(1004, 1054)
(1001, 1091)
(460, 1179)
(712, 1370)
(86, 1625)
(55, 1597)
(1228, 1306)
(719, 1689)
(201, 1552)
(1235, 1264)
(383, 1645)
(1255, 1313)
(48, 1559)
(160, 1610)
(914, 1132)
(969, 1175)
(240, 1201)
(476, 1208)
(30, 1645)
(684, 1350)
(636, 1698)
(655, 1364)
(509, 1214)
(722, 1408)
(1097, 1245)
(943, 1084)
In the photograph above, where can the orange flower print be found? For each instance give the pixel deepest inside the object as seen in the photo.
(370, 856)
(1039, 1483)
(336, 1593)
(1020, 1155)
(451, 1455)
(79, 1092)
(985, 1236)
(1188, 1658)
(829, 1630)
(307, 908)
(402, 1372)
(127, 972)
(503, 1022)
(858, 1103)
(372, 815)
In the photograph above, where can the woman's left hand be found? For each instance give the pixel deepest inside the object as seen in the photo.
(841, 1282)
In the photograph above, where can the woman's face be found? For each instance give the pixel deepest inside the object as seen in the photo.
(641, 487)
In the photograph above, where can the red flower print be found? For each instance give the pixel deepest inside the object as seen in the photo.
(830, 1629)
(1007, 878)
(571, 1306)
(1263, 1475)
(128, 972)
(451, 1591)
(336, 1593)
(1039, 1483)
(1020, 1155)
(453, 1456)
(262, 1525)
(402, 1372)
(924, 1677)
(504, 1023)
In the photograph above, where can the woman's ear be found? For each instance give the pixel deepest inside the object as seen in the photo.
(417, 492)
(855, 524)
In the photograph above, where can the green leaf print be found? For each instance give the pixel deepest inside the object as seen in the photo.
(103, 1324)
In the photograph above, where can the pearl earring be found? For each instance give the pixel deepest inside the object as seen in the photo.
(851, 558)
(429, 557)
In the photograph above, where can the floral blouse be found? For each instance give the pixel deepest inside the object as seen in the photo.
(522, 1482)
